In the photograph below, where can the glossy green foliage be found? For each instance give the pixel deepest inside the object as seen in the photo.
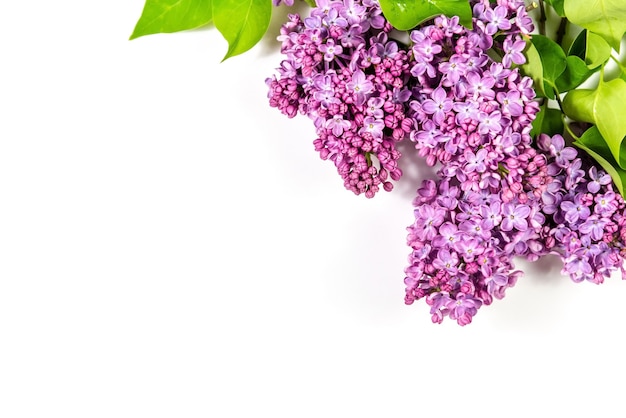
(407, 14)
(242, 22)
(166, 16)
(605, 107)
(548, 121)
(546, 61)
(606, 18)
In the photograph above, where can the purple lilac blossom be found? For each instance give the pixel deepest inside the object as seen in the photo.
(459, 266)
(499, 194)
(586, 218)
(491, 177)
(343, 71)
(464, 260)
(472, 103)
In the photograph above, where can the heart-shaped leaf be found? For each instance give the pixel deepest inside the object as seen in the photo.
(406, 14)
(598, 50)
(241, 22)
(546, 62)
(607, 18)
(552, 56)
(552, 122)
(574, 75)
(605, 107)
(167, 16)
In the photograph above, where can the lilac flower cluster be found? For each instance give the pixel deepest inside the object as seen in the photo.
(463, 243)
(463, 240)
(462, 256)
(473, 116)
(458, 95)
(586, 217)
(344, 72)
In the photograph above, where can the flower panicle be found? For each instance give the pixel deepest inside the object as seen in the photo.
(458, 96)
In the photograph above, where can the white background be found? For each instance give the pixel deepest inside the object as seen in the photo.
(171, 246)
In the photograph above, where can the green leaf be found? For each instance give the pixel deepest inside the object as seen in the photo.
(553, 122)
(579, 46)
(242, 23)
(607, 18)
(533, 68)
(548, 121)
(546, 62)
(574, 75)
(538, 121)
(406, 14)
(591, 48)
(594, 144)
(552, 57)
(580, 105)
(605, 107)
(167, 16)
(598, 50)
(558, 6)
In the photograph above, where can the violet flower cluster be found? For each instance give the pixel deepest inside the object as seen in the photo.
(473, 116)
(463, 246)
(459, 96)
(586, 217)
(344, 72)
(464, 242)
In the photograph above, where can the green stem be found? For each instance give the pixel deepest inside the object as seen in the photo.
(557, 97)
(503, 171)
(560, 32)
(542, 18)
(558, 100)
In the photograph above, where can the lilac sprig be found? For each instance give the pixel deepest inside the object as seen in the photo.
(459, 96)
(457, 263)
(586, 217)
(464, 240)
(473, 117)
(464, 243)
(344, 72)
(472, 113)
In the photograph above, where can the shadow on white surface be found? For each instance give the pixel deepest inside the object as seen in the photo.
(414, 170)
